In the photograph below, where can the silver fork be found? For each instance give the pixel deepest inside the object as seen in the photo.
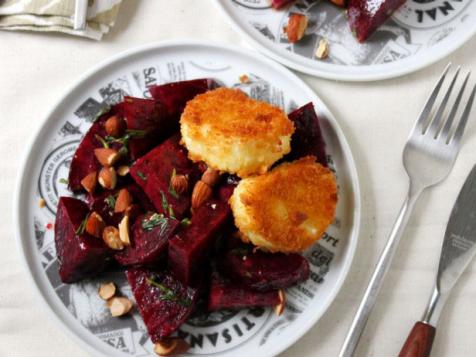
(428, 157)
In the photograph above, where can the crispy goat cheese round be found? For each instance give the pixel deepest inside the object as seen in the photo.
(232, 132)
(286, 209)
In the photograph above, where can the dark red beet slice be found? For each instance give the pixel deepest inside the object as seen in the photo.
(226, 295)
(79, 254)
(84, 161)
(174, 96)
(263, 271)
(307, 138)
(190, 248)
(365, 16)
(163, 302)
(153, 172)
(278, 4)
(149, 241)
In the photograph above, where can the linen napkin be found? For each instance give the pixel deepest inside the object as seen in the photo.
(58, 15)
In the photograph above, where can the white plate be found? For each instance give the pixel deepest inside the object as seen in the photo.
(420, 33)
(77, 307)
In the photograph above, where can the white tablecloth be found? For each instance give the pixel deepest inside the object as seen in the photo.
(35, 69)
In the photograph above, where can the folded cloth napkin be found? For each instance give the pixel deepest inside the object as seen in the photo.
(58, 15)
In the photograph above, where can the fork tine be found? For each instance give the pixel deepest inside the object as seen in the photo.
(429, 103)
(445, 133)
(436, 122)
(464, 118)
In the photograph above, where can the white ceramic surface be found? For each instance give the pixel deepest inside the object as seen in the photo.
(76, 307)
(420, 33)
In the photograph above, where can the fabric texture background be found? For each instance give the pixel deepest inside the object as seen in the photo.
(36, 68)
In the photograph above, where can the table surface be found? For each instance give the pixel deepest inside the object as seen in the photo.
(35, 69)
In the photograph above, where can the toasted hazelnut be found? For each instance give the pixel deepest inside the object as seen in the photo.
(107, 291)
(278, 309)
(106, 156)
(115, 126)
(119, 306)
(123, 170)
(108, 178)
(322, 50)
(95, 225)
(179, 183)
(211, 177)
(201, 193)
(42, 203)
(297, 25)
(110, 236)
(124, 230)
(244, 78)
(123, 200)
(171, 346)
(89, 182)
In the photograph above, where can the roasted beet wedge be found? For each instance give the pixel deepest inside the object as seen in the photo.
(174, 96)
(365, 16)
(149, 241)
(226, 295)
(278, 4)
(190, 248)
(84, 161)
(263, 271)
(163, 302)
(79, 254)
(307, 138)
(154, 171)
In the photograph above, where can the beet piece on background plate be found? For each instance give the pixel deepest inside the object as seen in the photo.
(365, 16)
(190, 248)
(278, 4)
(163, 302)
(227, 295)
(149, 240)
(84, 161)
(80, 255)
(307, 138)
(154, 170)
(262, 271)
(174, 96)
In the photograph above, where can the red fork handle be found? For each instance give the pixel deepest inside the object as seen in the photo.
(419, 341)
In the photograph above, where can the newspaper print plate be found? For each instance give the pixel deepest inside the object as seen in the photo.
(420, 33)
(77, 307)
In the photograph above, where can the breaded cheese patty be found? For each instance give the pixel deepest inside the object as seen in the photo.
(286, 209)
(232, 132)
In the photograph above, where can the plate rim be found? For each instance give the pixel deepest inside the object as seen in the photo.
(20, 200)
(382, 73)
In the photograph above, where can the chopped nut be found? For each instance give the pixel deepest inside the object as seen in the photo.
(123, 170)
(201, 193)
(89, 182)
(95, 225)
(170, 346)
(115, 126)
(179, 183)
(244, 78)
(124, 230)
(322, 50)
(211, 177)
(278, 309)
(107, 157)
(123, 200)
(296, 28)
(107, 291)
(42, 203)
(119, 306)
(110, 236)
(108, 178)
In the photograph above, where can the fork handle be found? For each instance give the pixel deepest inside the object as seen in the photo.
(419, 341)
(371, 293)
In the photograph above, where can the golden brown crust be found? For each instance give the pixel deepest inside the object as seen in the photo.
(288, 208)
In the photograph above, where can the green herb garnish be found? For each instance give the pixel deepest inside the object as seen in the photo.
(171, 189)
(101, 112)
(153, 221)
(165, 203)
(136, 134)
(110, 201)
(63, 181)
(185, 222)
(142, 175)
(102, 141)
(171, 212)
(168, 294)
(82, 226)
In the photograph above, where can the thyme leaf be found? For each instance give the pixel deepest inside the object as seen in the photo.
(185, 222)
(103, 142)
(101, 112)
(168, 294)
(155, 220)
(171, 189)
(142, 175)
(63, 181)
(110, 201)
(82, 226)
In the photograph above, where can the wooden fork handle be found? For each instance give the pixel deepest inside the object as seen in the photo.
(419, 341)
